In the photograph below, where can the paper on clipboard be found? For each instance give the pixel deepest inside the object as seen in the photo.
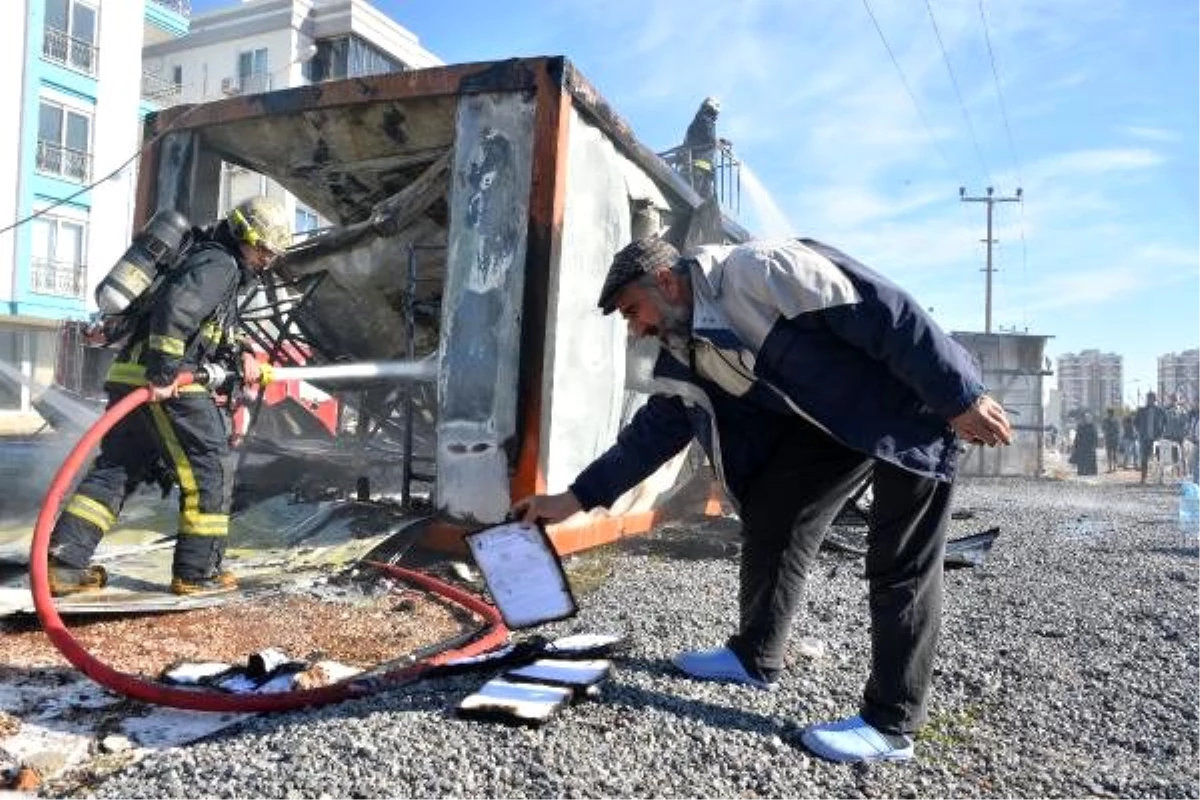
(523, 573)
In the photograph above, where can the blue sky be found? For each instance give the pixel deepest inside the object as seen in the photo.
(1089, 106)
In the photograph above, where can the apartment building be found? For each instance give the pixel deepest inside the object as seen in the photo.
(84, 76)
(69, 149)
(1089, 381)
(1179, 374)
(258, 46)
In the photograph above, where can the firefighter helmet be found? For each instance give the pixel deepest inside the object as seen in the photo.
(261, 222)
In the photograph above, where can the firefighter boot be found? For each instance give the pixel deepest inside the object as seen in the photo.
(66, 580)
(197, 566)
(213, 584)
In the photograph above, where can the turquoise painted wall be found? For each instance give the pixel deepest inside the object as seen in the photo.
(37, 189)
(40, 190)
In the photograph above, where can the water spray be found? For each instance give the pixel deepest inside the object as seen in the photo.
(421, 370)
(55, 399)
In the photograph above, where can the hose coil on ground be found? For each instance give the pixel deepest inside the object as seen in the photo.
(157, 693)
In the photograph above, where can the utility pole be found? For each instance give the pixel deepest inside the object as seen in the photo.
(991, 200)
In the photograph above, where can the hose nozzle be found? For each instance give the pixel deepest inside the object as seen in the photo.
(211, 376)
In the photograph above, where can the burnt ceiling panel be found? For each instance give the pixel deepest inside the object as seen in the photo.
(341, 161)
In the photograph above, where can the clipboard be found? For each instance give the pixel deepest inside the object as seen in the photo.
(523, 574)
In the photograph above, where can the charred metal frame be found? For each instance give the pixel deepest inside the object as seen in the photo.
(185, 144)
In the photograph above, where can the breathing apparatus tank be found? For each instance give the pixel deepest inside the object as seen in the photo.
(154, 246)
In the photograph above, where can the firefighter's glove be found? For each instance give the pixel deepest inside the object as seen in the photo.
(100, 332)
(161, 369)
(160, 393)
(251, 370)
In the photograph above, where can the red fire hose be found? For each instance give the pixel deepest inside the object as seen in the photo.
(204, 700)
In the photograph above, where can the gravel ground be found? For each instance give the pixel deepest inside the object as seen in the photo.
(1069, 667)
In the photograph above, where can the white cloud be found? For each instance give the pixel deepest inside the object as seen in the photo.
(1094, 161)
(1150, 134)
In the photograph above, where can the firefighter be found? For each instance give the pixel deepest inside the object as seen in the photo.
(182, 434)
(700, 142)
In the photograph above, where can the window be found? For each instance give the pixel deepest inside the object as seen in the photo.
(64, 142)
(348, 57)
(306, 221)
(57, 267)
(70, 34)
(252, 71)
(177, 76)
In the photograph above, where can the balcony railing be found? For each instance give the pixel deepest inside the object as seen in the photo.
(61, 47)
(254, 83)
(58, 278)
(156, 89)
(183, 7)
(54, 159)
(710, 170)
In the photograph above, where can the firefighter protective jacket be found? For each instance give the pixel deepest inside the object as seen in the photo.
(795, 328)
(191, 319)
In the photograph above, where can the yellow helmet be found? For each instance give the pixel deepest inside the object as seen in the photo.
(261, 222)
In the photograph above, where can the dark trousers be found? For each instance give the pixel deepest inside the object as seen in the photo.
(785, 516)
(1147, 447)
(186, 439)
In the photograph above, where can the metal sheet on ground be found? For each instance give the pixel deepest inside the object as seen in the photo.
(273, 543)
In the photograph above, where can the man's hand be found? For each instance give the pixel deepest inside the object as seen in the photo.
(251, 370)
(546, 508)
(983, 423)
(160, 393)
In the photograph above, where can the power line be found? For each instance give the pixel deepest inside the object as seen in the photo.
(64, 200)
(300, 58)
(953, 80)
(908, 89)
(87, 188)
(987, 37)
(999, 93)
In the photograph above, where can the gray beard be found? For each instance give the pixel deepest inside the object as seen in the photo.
(676, 329)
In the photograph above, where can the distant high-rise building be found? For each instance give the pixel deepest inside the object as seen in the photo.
(1179, 373)
(1089, 381)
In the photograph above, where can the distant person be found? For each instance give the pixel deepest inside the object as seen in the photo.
(1192, 445)
(1176, 415)
(1176, 427)
(1083, 454)
(1112, 438)
(1129, 443)
(1150, 422)
(801, 372)
(700, 144)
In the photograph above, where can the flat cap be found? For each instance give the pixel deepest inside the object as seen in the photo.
(630, 263)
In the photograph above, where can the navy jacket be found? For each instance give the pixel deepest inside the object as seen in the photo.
(791, 328)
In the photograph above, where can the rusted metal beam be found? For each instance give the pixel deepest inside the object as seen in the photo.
(512, 75)
(544, 234)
